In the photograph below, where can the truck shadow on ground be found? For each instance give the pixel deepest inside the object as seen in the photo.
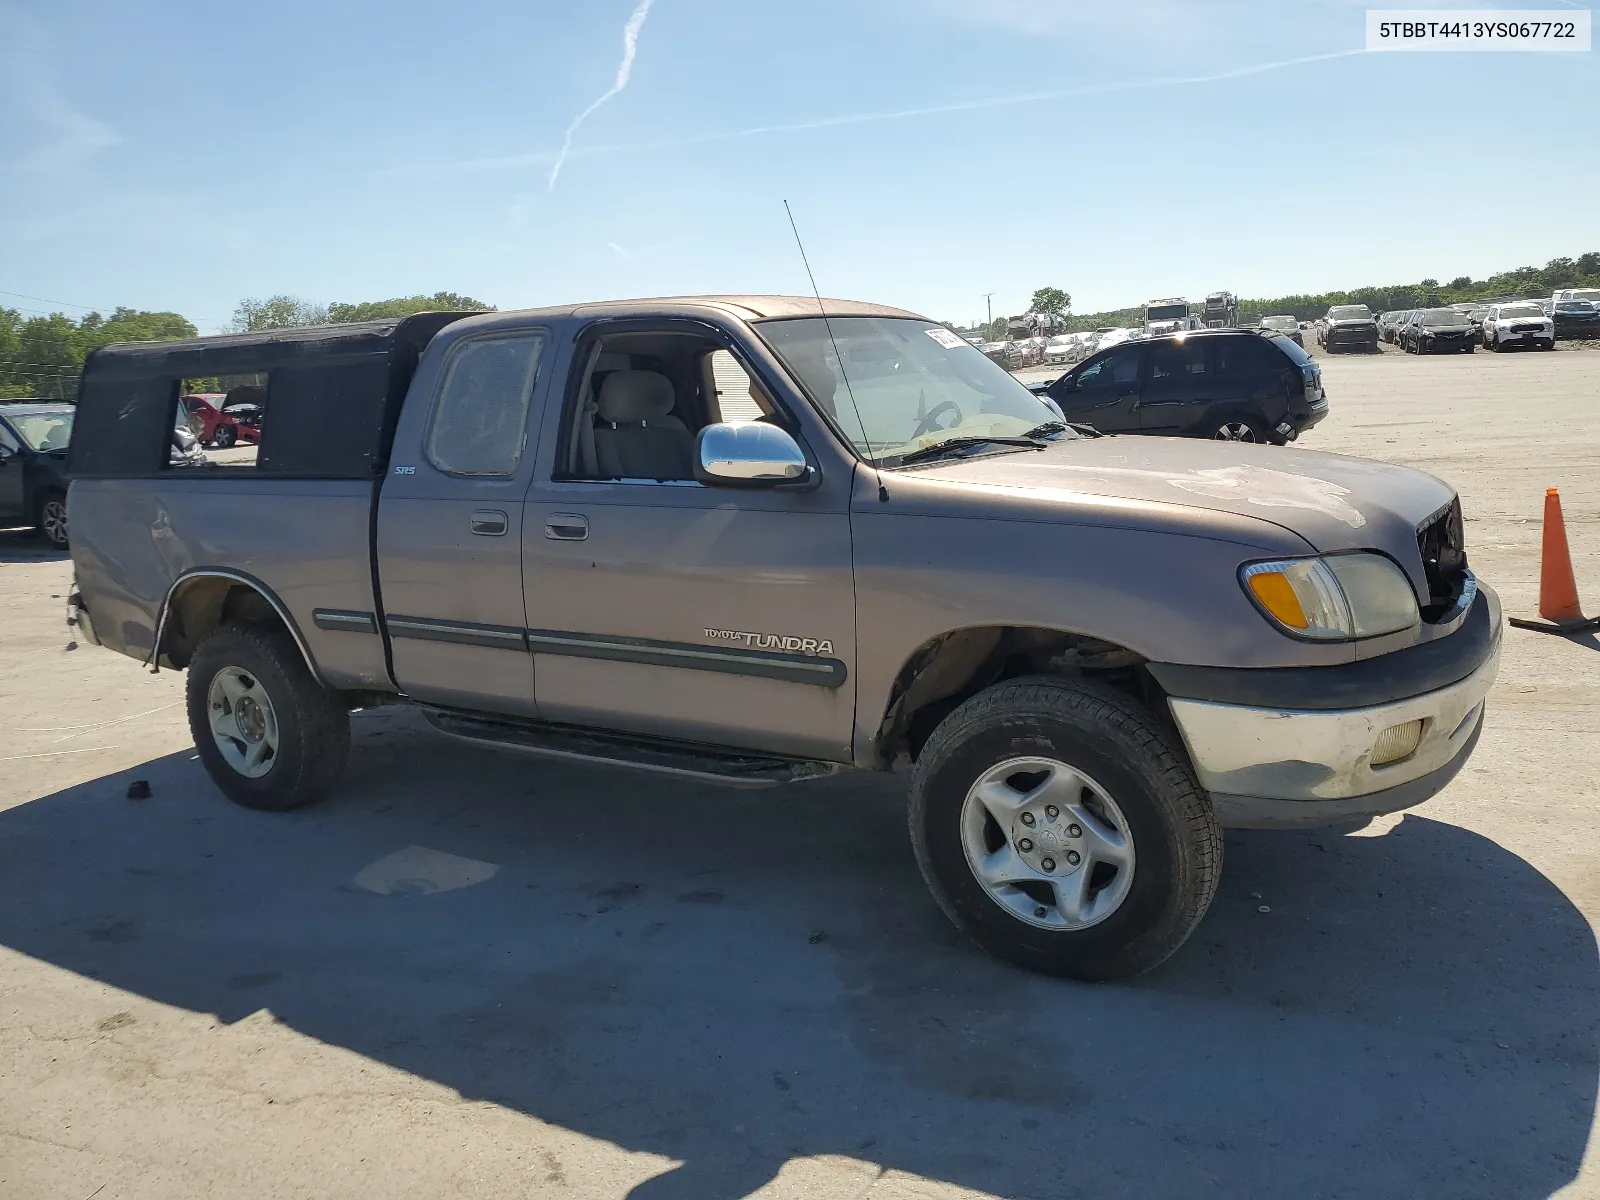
(736, 979)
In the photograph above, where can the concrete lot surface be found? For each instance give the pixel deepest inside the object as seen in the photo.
(475, 975)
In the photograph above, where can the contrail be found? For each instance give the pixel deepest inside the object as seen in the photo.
(513, 161)
(630, 46)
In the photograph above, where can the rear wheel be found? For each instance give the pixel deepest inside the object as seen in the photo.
(225, 437)
(1240, 429)
(1060, 826)
(51, 517)
(270, 736)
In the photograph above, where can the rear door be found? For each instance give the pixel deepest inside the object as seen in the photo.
(1178, 387)
(1249, 377)
(1104, 392)
(449, 538)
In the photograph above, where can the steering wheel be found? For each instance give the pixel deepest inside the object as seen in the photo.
(929, 423)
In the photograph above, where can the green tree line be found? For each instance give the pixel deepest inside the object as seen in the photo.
(43, 355)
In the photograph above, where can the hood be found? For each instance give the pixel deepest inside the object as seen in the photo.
(1458, 327)
(1331, 501)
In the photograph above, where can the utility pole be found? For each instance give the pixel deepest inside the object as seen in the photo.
(988, 300)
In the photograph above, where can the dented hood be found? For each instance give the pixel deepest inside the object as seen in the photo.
(1332, 501)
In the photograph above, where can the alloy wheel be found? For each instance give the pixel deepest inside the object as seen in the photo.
(1047, 843)
(243, 723)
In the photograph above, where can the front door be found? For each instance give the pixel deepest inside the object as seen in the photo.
(1104, 392)
(659, 605)
(450, 520)
(13, 495)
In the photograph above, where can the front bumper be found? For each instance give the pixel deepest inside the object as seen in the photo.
(1292, 766)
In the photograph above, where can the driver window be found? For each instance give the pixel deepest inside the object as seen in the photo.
(1119, 367)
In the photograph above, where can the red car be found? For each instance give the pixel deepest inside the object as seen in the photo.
(217, 423)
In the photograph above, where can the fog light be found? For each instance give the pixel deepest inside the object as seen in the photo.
(1396, 742)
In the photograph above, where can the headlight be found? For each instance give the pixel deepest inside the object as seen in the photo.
(1333, 599)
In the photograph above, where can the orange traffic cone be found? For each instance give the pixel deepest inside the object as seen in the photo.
(1558, 590)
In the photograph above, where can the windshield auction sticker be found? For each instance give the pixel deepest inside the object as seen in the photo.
(945, 338)
(1479, 29)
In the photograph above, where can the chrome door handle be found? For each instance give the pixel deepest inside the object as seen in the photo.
(566, 527)
(489, 522)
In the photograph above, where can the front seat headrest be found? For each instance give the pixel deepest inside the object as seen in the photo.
(629, 397)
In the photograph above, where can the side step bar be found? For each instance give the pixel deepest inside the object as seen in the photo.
(714, 764)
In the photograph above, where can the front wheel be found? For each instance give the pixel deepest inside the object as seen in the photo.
(270, 736)
(1060, 826)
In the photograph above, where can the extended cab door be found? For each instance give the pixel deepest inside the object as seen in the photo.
(663, 606)
(449, 538)
(1104, 391)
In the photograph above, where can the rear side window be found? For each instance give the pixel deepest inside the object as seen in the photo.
(1252, 355)
(480, 419)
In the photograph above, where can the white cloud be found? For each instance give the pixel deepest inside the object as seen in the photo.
(630, 46)
(57, 136)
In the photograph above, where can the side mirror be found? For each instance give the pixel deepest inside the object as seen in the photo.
(748, 454)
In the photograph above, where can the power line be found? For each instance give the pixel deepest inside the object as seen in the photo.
(47, 300)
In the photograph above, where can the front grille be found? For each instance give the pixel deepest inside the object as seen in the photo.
(1444, 559)
(1526, 328)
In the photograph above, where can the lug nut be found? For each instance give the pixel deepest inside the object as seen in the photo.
(1051, 811)
(1040, 911)
(1027, 819)
(1025, 845)
(1074, 830)
(1049, 864)
(1072, 857)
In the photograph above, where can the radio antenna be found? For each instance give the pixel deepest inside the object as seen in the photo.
(834, 342)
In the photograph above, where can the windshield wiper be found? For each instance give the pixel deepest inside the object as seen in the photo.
(1060, 426)
(962, 443)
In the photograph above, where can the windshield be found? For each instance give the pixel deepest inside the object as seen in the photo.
(42, 428)
(1280, 322)
(1518, 311)
(1443, 316)
(913, 385)
(1350, 312)
(1165, 312)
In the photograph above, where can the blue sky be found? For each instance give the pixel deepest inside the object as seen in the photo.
(182, 155)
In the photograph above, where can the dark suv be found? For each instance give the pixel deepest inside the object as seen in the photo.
(1233, 385)
(1348, 325)
(33, 462)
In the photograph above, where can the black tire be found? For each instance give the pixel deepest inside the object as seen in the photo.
(313, 722)
(224, 436)
(1100, 731)
(1470, 347)
(50, 518)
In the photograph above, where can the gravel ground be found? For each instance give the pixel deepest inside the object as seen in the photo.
(473, 975)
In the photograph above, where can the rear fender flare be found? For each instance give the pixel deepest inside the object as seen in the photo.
(190, 578)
